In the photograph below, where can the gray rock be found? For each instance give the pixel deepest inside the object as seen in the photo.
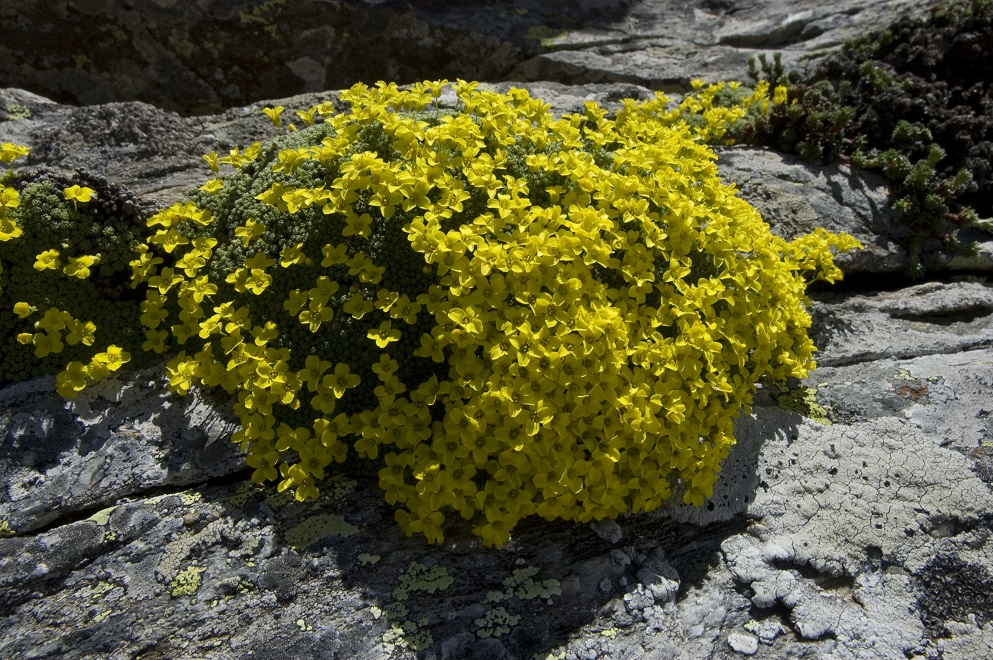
(200, 57)
(658, 576)
(121, 437)
(743, 644)
(796, 197)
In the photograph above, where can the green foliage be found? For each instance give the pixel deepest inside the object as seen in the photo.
(913, 103)
(78, 300)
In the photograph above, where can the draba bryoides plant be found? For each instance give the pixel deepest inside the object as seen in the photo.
(514, 314)
(65, 249)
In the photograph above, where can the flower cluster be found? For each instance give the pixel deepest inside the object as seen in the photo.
(62, 240)
(10, 198)
(515, 314)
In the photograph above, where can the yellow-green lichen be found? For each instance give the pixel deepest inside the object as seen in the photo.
(557, 655)
(190, 496)
(408, 635)
(609, 633)
(337, 487)
(241, 495)
(316, 528)
(102, 615)
(903, 374)
(279, 500)
(96, 591)
(521, 585)
(803, 400)
(395, 610)
(101, 517)
(418, 577)
(16, 111)
(187, 582)
(367, 559)
(303, 626)
(496, 623)
(6, 529)
(545, 35)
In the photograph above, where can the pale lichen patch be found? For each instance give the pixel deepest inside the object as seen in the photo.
(496, 623)
(316, 528)
(803, 400)
(187, 582)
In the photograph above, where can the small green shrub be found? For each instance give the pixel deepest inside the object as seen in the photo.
(65, 248)
(913, 103)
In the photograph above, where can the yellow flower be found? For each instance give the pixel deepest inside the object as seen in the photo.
(80, 333)
(211, 159)
(10, 152)
(155, 340)
(315, 316)
(165, 280)
(496, 531)
(307, 117)
(341, 380)
(273, 115)
(430, 347)
(360, 225)
(24, 310)
(386, 299)
(314, 368)
(79, 267)
(181, 371)
(779, 95)
(250, 231)
(334, 254)
(143, 266)
(314, 457)
(386, 366)
(54, 320)
(47, 260)
(258, 281)
(288, 438)
(71, 380)
(79, 194)
(46, 344)
(357, 306)
(212, 186)
(292, 255)
(384, 335)
(113, 358)
(9, 199)
(264, 461)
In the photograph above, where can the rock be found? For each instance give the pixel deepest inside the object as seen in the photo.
(60, 458)
(204, 56)
(743, 644)
(796, 197)
(658, 576)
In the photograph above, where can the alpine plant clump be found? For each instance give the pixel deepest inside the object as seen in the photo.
(513, 314)
(65, 247)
